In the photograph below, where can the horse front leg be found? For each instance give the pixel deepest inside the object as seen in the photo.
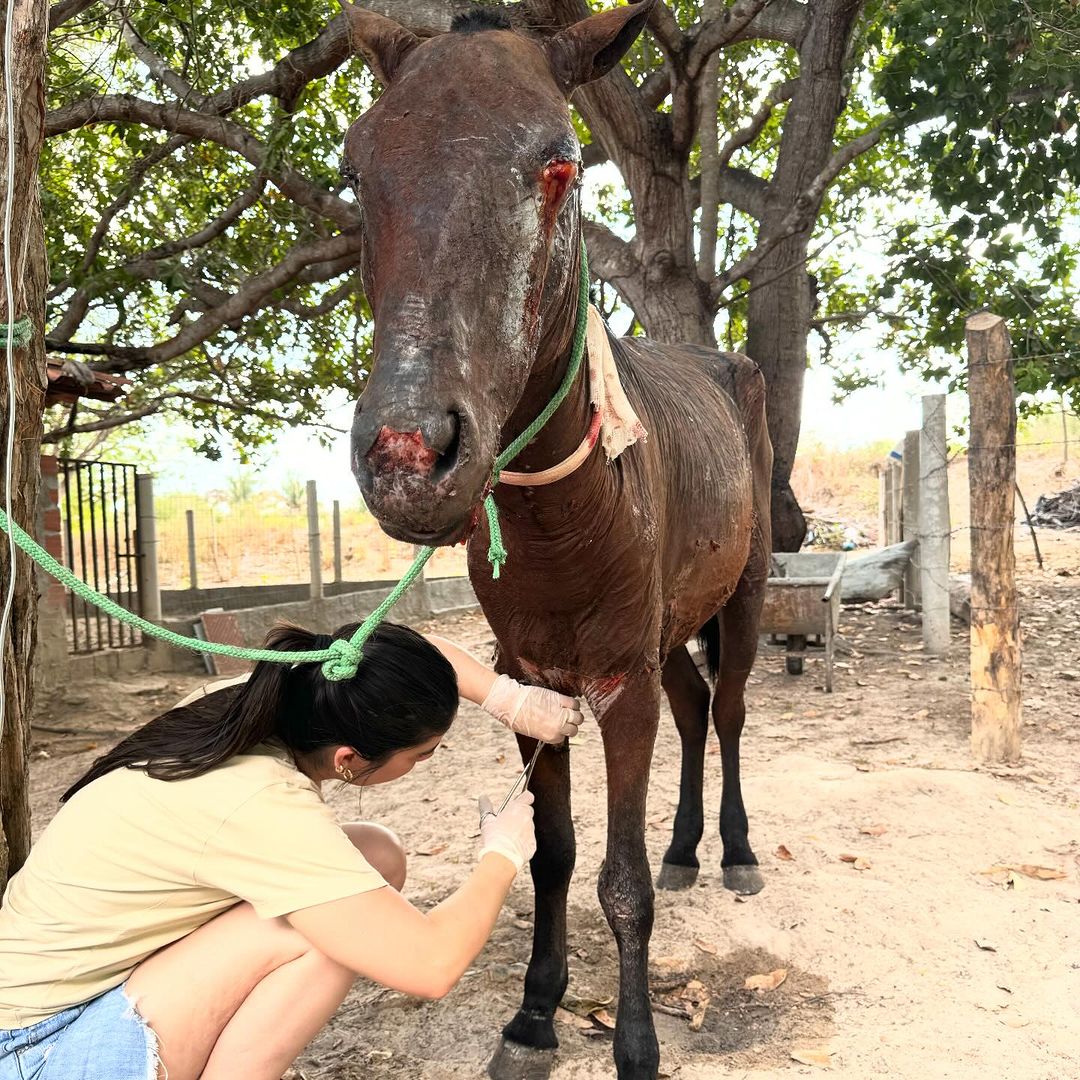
(525, 1050)
(628, 725)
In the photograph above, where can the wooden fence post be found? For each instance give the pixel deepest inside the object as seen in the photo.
(934, 526)
(910, 511)
(314, 541)
(192, 555)
(995, 623)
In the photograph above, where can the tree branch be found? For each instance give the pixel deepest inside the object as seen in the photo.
(744, 190)
(666, 30)
(115, 420)
(750, 131)
(67, 9)
(159, 70)
(247, 199)
(801, 214)
(611, 258)
(767, 20)
(127, 108)
(324, 306)
(249, 298)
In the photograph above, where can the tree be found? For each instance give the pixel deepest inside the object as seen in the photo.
(27, 281)
(208, 242)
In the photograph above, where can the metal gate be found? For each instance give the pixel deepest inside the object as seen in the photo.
(99, 508)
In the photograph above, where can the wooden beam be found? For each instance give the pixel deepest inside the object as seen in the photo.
(995, 623)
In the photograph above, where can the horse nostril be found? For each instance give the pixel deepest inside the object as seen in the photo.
(412, 452)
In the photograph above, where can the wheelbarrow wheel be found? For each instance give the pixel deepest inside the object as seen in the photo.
(795, 643)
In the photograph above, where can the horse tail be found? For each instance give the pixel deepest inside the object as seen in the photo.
(709, 640)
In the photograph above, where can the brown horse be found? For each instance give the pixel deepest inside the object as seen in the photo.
(467, 172)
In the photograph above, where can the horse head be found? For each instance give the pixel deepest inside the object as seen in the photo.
(466, 171)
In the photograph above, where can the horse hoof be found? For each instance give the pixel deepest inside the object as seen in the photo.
(512, 1061)
(675, 877)
(744, 880)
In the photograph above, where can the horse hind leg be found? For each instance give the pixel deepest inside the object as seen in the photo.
(739, 621)
(688, 694)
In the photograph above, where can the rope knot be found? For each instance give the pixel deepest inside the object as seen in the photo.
(343, 661)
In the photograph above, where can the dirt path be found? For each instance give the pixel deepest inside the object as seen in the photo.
(914, 962)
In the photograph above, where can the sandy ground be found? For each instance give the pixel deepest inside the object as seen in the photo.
(927, 958)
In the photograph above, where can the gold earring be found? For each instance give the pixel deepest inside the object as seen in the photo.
(346, 774)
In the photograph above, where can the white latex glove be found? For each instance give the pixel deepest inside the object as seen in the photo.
(510, 833)
(533, 711)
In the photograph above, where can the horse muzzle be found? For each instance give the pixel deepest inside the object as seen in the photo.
(418, 471)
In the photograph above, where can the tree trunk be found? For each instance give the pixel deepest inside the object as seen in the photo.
(781, 305)
(28, 277)
(778, 324)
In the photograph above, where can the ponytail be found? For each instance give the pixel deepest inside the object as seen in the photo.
(404, 692)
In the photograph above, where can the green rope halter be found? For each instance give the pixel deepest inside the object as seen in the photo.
(496, 550)
(342, 658)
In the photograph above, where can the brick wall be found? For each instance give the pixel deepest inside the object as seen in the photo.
(50, 532)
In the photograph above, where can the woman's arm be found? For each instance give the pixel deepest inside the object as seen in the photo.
(529, 710)
(474, 679)
(380, 935)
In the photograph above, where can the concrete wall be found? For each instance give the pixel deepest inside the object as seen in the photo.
(179, 602)
(441, 595)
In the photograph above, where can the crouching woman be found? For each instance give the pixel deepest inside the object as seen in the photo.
(194, 910)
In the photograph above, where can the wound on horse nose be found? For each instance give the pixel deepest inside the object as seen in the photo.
(401, 451)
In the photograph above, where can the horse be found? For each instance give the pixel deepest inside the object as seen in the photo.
(467, 174)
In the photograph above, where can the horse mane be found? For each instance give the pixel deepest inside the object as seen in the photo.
(480, 19)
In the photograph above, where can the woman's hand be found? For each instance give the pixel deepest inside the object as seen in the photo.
(510, 833)
(533, 711)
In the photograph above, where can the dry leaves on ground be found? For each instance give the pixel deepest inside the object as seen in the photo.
(810, 1056)
(783, 853)
(765, 982)
(856, 861)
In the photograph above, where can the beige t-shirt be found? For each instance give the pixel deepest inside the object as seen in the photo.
(131, 864)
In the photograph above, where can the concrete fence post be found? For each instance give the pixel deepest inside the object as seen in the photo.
(192, 556)
(314, 541)
(337, 541)
(910, 511)
(934, 526)
(146, 546)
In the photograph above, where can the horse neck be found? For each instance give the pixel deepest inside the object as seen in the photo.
(562, 434)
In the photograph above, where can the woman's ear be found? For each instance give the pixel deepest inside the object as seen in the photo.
(347, 761)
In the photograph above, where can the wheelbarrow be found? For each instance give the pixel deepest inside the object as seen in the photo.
(802, 598)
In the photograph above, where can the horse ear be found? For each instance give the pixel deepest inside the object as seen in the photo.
(591, 48)
(383, 43)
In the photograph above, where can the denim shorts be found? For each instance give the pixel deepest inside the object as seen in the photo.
(102, 1039)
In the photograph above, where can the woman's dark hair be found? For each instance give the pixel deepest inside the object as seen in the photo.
(403, 693)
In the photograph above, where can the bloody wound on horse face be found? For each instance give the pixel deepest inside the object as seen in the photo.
(403, 451)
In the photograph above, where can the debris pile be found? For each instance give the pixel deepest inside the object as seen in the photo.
(834, 534)
(1060, 511)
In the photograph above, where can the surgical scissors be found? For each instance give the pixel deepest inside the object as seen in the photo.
(521, 782)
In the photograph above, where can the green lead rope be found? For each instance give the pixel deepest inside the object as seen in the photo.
(341, 660)
(18, 334)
